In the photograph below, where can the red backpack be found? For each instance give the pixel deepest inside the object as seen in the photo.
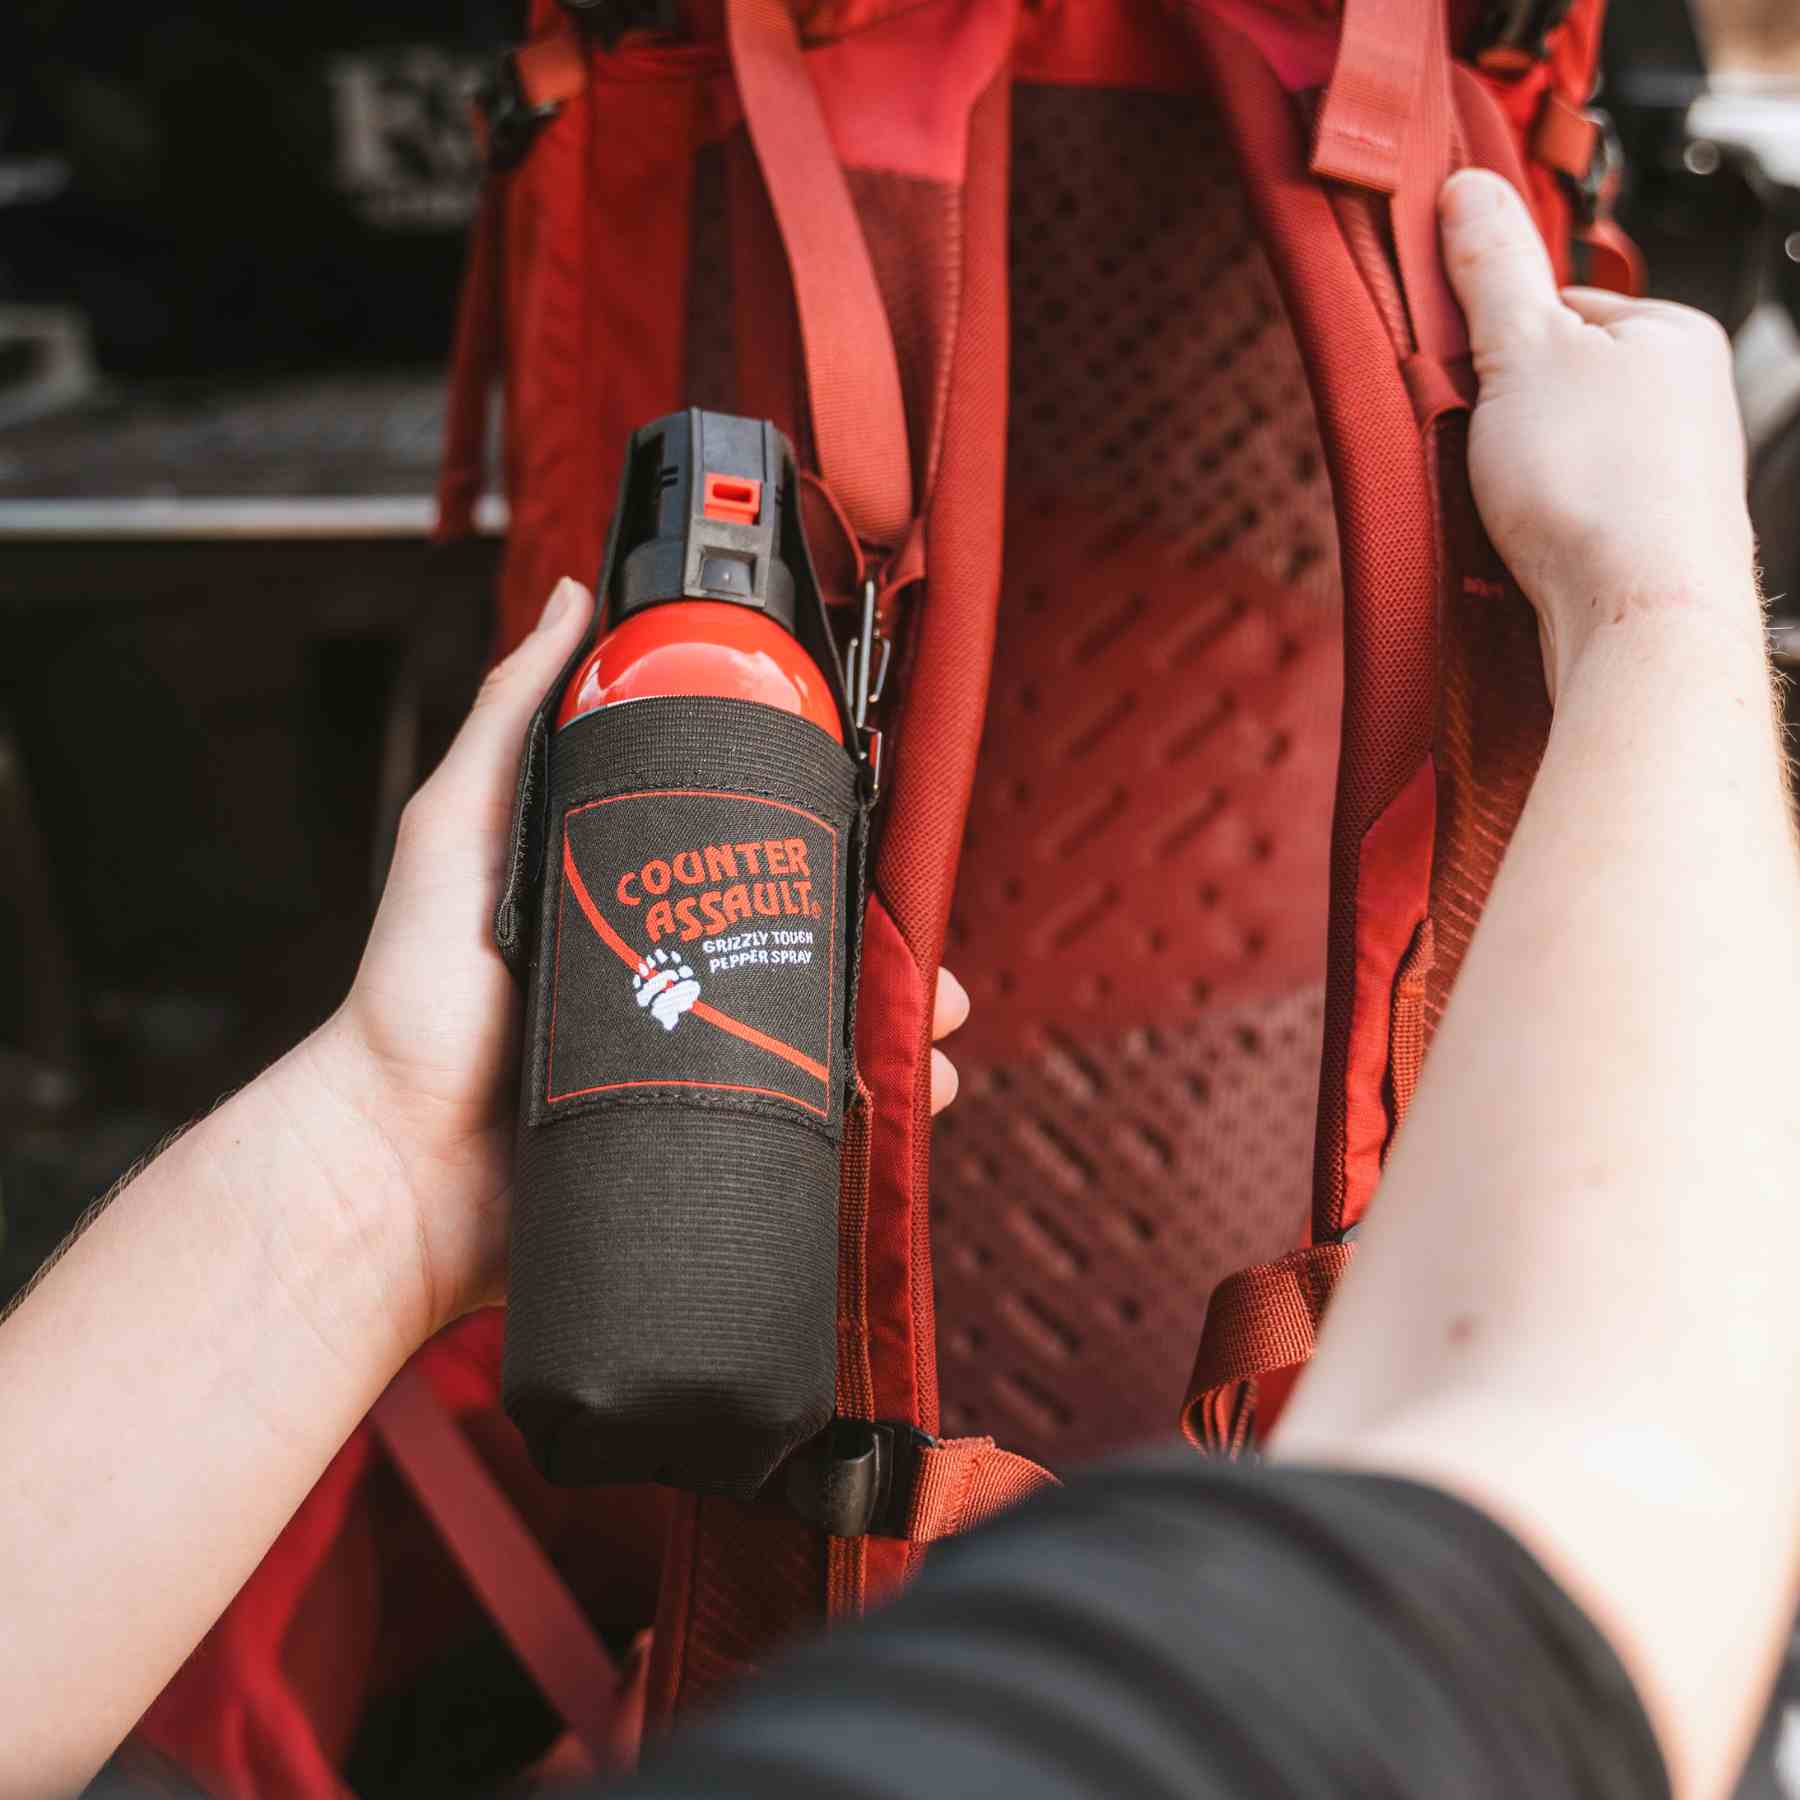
(1114, 336)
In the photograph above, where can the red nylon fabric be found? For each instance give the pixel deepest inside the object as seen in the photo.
(596, 241)
(506, 1567)
(474, 364)
(1567, 69)
(358, 1595)
(552, 69)
(1381, 77)
(1392, 892)
(939, 726)
(1394, 847)
(603, 234)
(725, 1616)
(962, 1481)
(1564, 137)
(1260, 1321)
(231, 1718)
(1386, 124)
(1381, 484)
(858, 420)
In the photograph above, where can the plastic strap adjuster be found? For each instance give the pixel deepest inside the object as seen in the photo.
(856, 1478)
(510, 123)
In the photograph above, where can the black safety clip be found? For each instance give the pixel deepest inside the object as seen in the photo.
(856, 1478)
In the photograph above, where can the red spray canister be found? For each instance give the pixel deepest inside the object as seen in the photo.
(689, 1014)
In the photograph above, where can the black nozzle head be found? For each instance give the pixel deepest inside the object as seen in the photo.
(707, 508)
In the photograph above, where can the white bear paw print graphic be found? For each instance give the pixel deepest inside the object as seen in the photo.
(666, 985)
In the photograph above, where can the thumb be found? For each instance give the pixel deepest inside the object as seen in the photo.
(483, 761)
(1497, 262)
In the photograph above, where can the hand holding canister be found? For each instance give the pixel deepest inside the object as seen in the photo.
(698, 826)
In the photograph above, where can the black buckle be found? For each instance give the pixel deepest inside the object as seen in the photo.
(511, 122)
(609, 20)
(1518, 26)
(856, 1478)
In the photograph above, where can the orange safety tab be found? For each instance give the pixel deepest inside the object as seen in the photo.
(732, 499)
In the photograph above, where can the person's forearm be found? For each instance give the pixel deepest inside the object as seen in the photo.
(168, 1395)
(1575, 1297)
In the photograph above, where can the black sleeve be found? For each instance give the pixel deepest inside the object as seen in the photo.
(1174, 1627)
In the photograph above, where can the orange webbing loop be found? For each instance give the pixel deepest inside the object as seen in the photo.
(1564, 137)
(961, 1481)
(504, 1565)
(1261, 1319)
(852, 371)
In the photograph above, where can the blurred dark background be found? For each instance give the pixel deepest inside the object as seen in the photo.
(230, 240)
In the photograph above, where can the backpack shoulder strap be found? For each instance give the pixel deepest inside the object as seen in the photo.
(1386, 356)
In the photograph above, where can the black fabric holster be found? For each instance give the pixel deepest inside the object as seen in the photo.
(684, 904)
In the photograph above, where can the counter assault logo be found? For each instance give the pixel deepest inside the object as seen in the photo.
(696, 945)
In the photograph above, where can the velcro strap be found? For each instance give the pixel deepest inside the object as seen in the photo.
(958, 1482)
(1262, 1319)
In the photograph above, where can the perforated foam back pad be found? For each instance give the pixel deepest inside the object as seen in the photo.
(1140, 912)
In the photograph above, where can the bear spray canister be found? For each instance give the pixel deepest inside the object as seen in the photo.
(674, 1240)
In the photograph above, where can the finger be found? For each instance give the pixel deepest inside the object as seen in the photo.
(1496, 260)
(483, 762)
(1599, 306)
(951, 1010)
(1602, 307)
(944, 1081)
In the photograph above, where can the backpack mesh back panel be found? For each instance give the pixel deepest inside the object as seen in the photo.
(1139, 914)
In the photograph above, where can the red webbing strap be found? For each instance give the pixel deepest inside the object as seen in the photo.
(852, 371)
(1386, 123)
(474, 366)
(503, 1563)
(1261, 1319)
(551, 70)
(961, 1481)
(1366, 117)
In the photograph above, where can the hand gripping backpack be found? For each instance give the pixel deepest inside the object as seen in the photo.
(1131, 402)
